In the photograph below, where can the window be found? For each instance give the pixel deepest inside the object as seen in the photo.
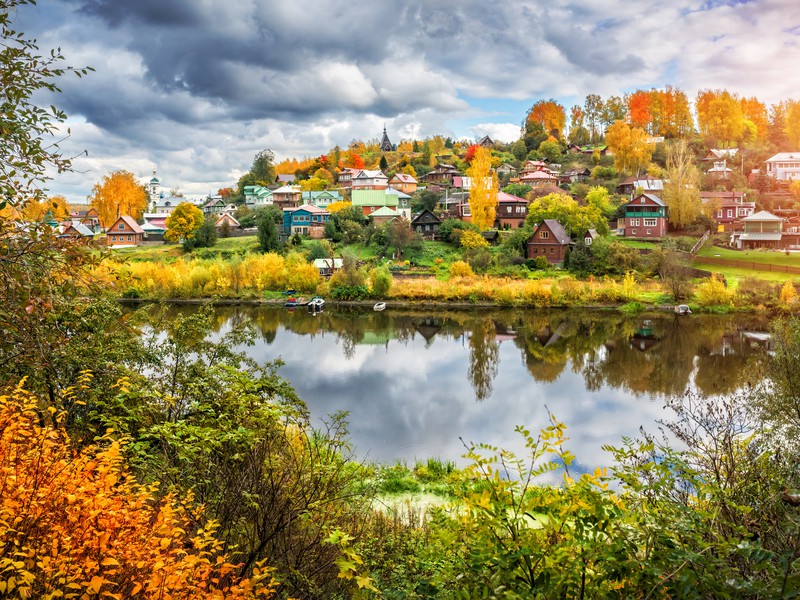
(130, 238)
(544, 234)
(121, 226)
(634, 222)
(588, 241)
(730, 213)
(552, 250)
(113, 238)
(633, 232)
(642, 200)
(647, 232)
(536, 251)
(649, 223)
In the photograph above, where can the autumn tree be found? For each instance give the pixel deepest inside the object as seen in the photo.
(756, 113)
(82, 527)
(29, 148)
(578, 134)
(183, 223)
(116, 195)
(483, 190)
(549, 114)
(576, 219)
(593, 110)
(639, 109)
(720, 117)
(792, 127)
(681, 189)
(630, 148)
(56, 206)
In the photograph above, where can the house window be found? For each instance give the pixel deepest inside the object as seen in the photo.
(642, 200)
(113, 238)
(649, 223)
(647, 232)
(536, 251)
(552, 250)
(544, 234)
(121, 227)
(633, 232)
(730, 213)
(588, 241)
(130, 238)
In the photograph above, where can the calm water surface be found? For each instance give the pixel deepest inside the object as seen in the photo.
(416, 383)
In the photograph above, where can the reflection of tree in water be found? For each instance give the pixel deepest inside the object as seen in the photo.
(484, 357)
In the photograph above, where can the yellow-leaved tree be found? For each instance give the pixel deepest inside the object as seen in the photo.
(116, 195)
(483, 190)
(183, 223)
(630, 148)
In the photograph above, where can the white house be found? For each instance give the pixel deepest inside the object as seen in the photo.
(784, 165)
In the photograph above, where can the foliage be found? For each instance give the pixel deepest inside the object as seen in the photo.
(402, 236)
(267, 220)
(673, 271)
(788, 295)
(549, 114)
(473, 239)
(183, 223)
(28, 148)
(380, 282)
(116, 195)
(681, 190)
(575, 218)
(520, 190)
(550, 151)
(714, 292)
(76, 524)
(483, 191)
(629, 144)
(452, 229)
(460, 269)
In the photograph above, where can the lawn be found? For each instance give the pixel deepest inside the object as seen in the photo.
(638, 244)
(757, 256)
(733, 275)
(225, 247)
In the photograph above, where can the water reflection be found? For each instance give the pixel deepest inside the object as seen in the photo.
(414, 382)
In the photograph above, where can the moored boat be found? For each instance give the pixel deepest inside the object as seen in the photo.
(379, 306)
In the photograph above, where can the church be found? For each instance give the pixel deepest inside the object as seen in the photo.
(386, 145)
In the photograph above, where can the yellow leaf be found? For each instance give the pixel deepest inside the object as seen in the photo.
(109, 561)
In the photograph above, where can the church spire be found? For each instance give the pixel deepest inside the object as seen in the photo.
(386, 145)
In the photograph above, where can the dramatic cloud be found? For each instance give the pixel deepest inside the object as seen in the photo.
(197, 88)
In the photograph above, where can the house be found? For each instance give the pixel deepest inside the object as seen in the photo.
(715, 154)
(165, 206)
(576, 175)
(538, 179)
(784, 166)
(645, 217)
(369, 180)
(442, 174)
(214, 206)
(590, 236)
(404, 182)
(305, 220)
(486, 142)
(371, 200)
(345, 178)
(510, 212)
(256, 196)
(506, 170)
(720, 170)
(592, 148)
(728, 207)
(761, 230)
(226, 218)
(644, 184)
(531, 166)
(549, 240)
(87, 216)
(384, 215)
(403, 202)
(76, 229)
(327, 266)
(322, 198)
(124, 232)
(287, 178)
(426, 224)
(154, 226)
(287, 196)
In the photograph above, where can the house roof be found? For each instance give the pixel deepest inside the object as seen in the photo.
(373, 198)
(503, 197)
(367, 174)
(79, 227)
(308, 208)
(385, 211)
(762, 215)
(650, 197)
(404, 178)
(761, 237)
(148, 226)
(287, 178)
(426, 213)
(721, 153)
(396, 192)
(226, 217)
(287, 189)
(704, 196)
(784, 156)
(130, 222)
(536, 175)
(557, 230)
(592, 233)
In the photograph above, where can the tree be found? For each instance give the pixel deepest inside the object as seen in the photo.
(483, 190)
(792, 127)
(425, 200)
(206, 236)
(550, 151)
(183, 223)
(599, 198)
(28, 144)
(56, 206)
(263, 168)
(630, 148)
(681, 189)
(639, 109)
(592, 112)
(383, 164)
(116, 195)
(550, 115)
(380, 282)
(83, 527)
(719, 116)
(267, 220)
(576, 219)
(401, 235)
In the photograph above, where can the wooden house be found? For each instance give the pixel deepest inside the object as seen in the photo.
(228, 218)
(727, 208)
(511, 211)
(590, 236)
(125, 231)
(327, 266)
(369, 180)
(539, 179)
(88, 217)
(287, 196)
(645, 217)
(550, 240)
(305, 220)
(404, 182)
(384, 215)
(426, 224)
(761, 230)
(442, 174)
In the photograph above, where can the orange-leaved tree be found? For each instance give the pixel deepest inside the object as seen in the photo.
(74, 524)
(116, 195)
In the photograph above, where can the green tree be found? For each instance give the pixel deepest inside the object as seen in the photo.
(183, 223)
(380, 282)
(207, 234)
(550, 151)
(425, 200)
(576, 219)
(267, 220)
(29, 148)
(402, 236)
(263, 168)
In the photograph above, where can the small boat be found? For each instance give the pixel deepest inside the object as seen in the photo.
(291, 302)
(289, 292)
(683, 309)
(316, 304)
(379, 306)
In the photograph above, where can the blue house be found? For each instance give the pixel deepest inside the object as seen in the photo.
(305, 220)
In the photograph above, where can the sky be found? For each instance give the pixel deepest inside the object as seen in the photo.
(195, 88)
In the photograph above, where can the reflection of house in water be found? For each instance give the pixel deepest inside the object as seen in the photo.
(504, 333)
(547, 336)
(644, 338)
(428, 328)
(375, 338)
(744, 342)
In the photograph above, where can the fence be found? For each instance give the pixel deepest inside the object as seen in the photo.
(740, 264)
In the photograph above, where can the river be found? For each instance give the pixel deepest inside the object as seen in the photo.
(416, 383)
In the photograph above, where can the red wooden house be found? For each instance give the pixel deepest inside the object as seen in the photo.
(645, 217)
(550, 240)
(511, 211)
(124, 232)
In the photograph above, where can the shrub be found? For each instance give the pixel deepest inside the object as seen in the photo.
(714, 292)
(473, 239)
(380, 280)
(461, 269)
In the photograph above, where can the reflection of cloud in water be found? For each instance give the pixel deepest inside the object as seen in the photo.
(407, 401)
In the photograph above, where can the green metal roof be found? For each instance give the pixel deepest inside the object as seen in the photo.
(373, 198)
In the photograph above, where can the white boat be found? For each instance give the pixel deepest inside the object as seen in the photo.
(379, 306)
(316, 303)
(683, 309)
